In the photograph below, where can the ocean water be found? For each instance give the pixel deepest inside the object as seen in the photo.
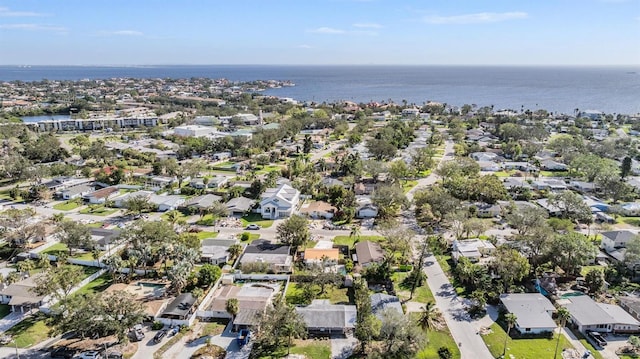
(556, 89)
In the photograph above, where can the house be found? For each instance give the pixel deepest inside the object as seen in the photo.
(473, 249)
(181, 307)
(368, 252)
(200, 203)
(156, 183)
(216, 251)
(279, 202)
(368, 210)
(549, 184)
(318, 209)
(381, 301)
(253, 299)
(631, 305)
(276, 256)
(631, 209)
(362, 188)
(513, 183)
(485, 156)
(582, 186)
(212, 182)
(588, 315)
(329, 256)
(240, 205)
(103, 239)
(166, 202)
(612, 240)
(324, 318)
(76, 191)
(121, 201)
(20, 295)
(221, 156)
(551, 165)
(100, 196)
(533, 310)
(60, 183)
(330, 182)
(486, 210)
(489, 166)
(193, 131)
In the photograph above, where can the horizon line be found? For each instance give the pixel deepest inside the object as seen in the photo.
(327, 65)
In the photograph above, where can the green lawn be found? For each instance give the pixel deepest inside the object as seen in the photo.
(316, 349)
(437, 340)
(522, 348)
(99, 211)
(350, 241)
(421, 294)
(256, 218)
(4, 310)
(205, 235)
(594, 352)
(252, 237)
(408, 185)
(334, 294)
(30, 331)
(86, 256)
(634, 221)
(56, 249)
(97, 285)
(67, 206)
(554, 173)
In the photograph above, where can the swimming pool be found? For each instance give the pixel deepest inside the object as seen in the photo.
(572, 294)
(150, 285)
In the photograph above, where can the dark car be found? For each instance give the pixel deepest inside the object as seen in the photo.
(136, 335)
(598, 338)
(159, 335)
(114, 355)
(63, 352)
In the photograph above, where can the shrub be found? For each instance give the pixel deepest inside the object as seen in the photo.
(157, 325)
(444, 353)
(245, 236)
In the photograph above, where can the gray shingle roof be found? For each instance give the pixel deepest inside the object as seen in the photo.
(321, 314)
(532, 309)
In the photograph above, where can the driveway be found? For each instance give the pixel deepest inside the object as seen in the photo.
(341, 348)
(462, 328)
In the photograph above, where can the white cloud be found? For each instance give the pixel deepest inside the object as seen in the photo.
(478, 18)
(6, 12)
(122, 33)
(367, 25)
(305, 46)
(32, 27)
(327, 30)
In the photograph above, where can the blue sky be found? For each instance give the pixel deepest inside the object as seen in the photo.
(460, 32)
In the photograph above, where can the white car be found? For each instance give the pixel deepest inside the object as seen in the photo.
(90, 355)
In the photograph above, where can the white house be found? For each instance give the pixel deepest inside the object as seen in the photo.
(533, 311)
(612, 240)
(473, 249)
(367, 211)
(76, 191)
(588, 315)
(279, 202)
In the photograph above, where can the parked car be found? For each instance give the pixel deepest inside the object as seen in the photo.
(136, 335)
(159, 335)
(113, 355)
(253, 227)
(598, 338)
(92, 354)
(63, 352)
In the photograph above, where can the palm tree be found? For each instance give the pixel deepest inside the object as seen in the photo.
(57, 217)
(95, 253)
(172, 217)
(429, 316)
(563, 316)
(232, 307)
(234, 251)
(511, 319)
(44, 262)
(115, 264)
(355, 233)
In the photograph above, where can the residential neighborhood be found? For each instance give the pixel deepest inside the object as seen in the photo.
(174, 218)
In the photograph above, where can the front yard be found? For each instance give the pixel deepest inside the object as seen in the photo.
(205, 235)
(68, 205)
(350, 241)
(534, 348)
(421, 294)
(256, 218)
(98, 211)
(30, 331)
